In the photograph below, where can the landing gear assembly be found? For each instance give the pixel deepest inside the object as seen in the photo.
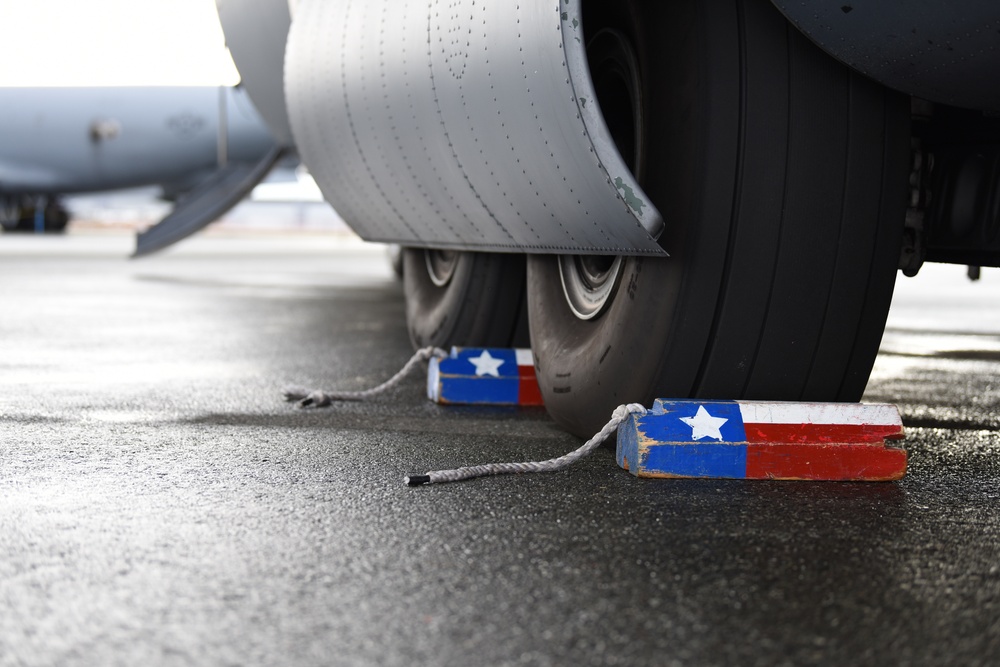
(464, 298)
(33, 214)
(784, 175)
(598, 137)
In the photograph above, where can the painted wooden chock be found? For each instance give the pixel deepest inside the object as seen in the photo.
(763, 440)
(483, 376)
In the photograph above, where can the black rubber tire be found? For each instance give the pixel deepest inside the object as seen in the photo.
(56, 219)
(482, 305)
(783, 177)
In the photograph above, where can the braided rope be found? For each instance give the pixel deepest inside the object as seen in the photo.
(316, 398)
(620, 414)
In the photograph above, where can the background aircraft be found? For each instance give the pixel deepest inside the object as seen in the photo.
(206, 147)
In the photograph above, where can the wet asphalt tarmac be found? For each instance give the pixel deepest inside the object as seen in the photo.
(161, 505)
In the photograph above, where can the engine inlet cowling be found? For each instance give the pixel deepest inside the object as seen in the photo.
(464, 123)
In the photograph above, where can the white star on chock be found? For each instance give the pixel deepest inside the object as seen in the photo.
(486, 365)
(704, 425)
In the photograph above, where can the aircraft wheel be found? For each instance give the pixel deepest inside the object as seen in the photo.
(783, 179)
(56, 218)
(55, 221)
(468, 299)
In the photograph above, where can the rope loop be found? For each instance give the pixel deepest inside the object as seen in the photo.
(316, 398)
(618, 416)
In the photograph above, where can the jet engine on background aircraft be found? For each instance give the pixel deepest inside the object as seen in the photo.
(586, 140)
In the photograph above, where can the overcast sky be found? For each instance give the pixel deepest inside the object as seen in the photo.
(112, 42)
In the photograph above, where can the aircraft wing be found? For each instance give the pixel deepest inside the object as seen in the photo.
(207, 202)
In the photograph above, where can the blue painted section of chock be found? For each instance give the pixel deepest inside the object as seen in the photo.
(676, 430)
(460, 363)
(696, 460)
(689, 458)
(479, 390)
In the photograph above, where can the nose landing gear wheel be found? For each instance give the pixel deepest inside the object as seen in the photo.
(464, 298)
(783, 179)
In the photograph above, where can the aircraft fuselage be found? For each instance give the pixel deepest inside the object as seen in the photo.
(64, 140)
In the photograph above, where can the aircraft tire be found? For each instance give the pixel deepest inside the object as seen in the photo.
(469, 299)
(55, 221)
(783, 179)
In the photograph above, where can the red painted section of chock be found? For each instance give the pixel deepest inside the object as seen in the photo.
(820, 433)
(871, 463)
(528, 392)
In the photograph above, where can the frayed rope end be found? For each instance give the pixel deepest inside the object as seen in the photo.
(294, 393)
(308, 398)
(416, 480)
(305, 398)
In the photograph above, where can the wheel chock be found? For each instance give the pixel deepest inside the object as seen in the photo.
(484, 376)
(763, 440)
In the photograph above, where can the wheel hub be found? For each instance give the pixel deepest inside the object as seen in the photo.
(441, 265)
(590, 281)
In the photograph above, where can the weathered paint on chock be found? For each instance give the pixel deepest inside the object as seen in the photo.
(484, 376)
(763, 440)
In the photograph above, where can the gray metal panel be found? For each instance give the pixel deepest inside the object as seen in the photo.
(256, 32)
(946, 52)
(463, 124)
